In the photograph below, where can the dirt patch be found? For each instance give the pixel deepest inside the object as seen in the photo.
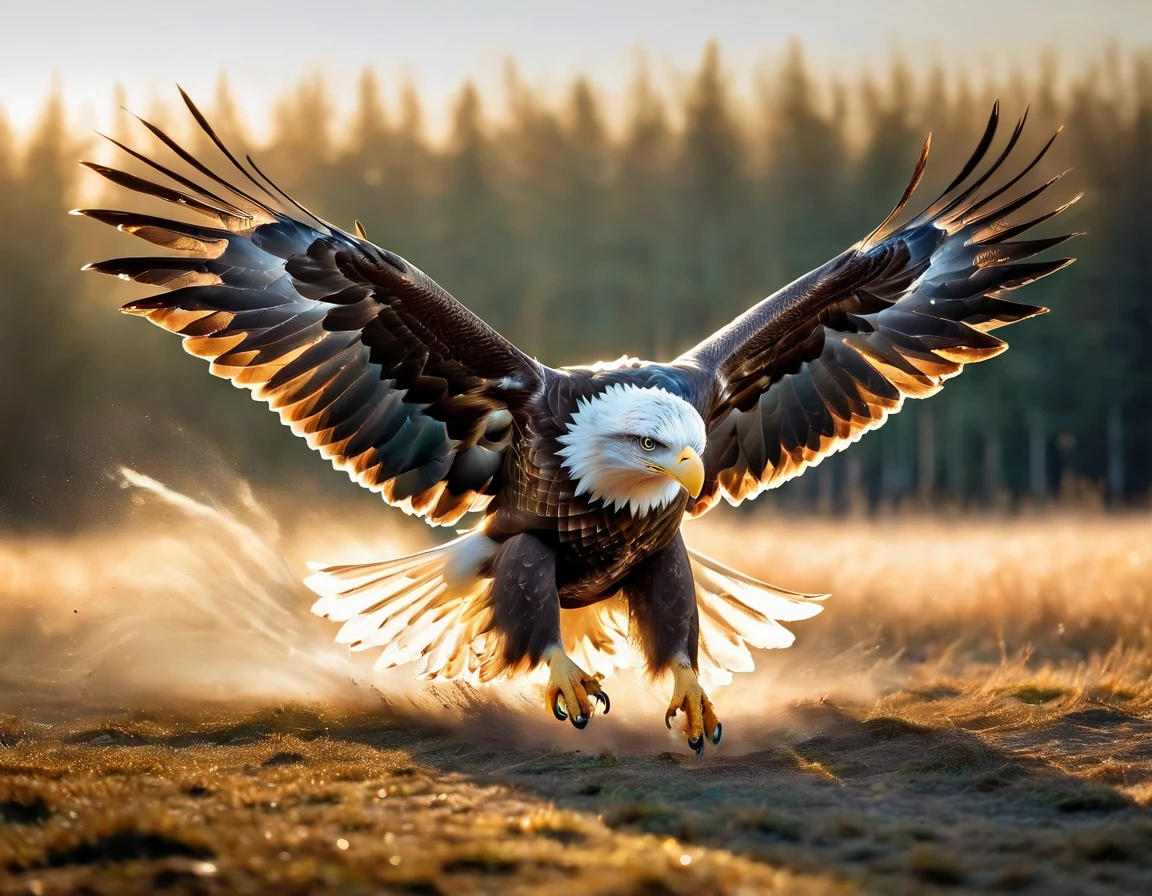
(832, 799)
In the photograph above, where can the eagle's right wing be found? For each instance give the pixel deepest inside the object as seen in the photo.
(360, 352)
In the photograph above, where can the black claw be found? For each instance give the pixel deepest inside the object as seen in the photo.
(717, 733)
(698, 745)
(603, 698)
(557, 709)
(579, 721)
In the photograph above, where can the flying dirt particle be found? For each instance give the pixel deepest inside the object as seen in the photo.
(394, 861)
(685, 859)
(341, 843)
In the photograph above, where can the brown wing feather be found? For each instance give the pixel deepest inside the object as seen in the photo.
(361, 353)
(809, 370)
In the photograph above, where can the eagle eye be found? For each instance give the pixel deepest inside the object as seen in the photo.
(647, 443)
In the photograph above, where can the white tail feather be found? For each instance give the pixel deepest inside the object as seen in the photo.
(738, 612)
(431, 608)
(596, 636)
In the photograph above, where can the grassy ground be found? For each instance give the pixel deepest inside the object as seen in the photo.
(973, 712)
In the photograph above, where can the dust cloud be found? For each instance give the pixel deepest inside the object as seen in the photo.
(190, 600)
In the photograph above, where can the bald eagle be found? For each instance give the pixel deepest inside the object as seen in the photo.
(583, 475)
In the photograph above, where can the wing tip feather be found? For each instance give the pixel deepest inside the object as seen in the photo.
(144, 307)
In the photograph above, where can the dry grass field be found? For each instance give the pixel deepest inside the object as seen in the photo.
(971, 713)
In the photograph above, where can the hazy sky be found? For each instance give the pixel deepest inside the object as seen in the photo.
(147, 45)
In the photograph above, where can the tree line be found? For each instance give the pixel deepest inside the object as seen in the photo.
(582, 241)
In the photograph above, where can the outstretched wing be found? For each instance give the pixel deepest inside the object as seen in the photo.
(360, 352)
(809, 370)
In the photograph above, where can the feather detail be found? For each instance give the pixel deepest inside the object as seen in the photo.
(359, 352)
(428, 608)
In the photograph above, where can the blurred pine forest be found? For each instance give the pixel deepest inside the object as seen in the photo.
(582, 241)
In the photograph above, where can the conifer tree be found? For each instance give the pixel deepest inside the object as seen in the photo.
(475, 261)
(641, 199)
(581, 244)
(44, 389)
(712, 231)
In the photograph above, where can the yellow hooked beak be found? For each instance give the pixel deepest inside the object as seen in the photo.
(689, 471)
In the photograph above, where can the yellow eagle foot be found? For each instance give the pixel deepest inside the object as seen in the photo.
(571, 690)
(687, 695)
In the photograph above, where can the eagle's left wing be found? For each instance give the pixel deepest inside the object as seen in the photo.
(809, 370)
(361, 353)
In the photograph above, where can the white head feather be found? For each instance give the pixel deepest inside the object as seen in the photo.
(602, 451)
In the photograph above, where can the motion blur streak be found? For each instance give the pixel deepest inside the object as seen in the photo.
(202, 603)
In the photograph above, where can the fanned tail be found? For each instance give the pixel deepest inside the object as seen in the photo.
(430, 607)
(738, 612)
(596, 636)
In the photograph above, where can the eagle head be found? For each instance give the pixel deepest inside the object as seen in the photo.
(634, 447)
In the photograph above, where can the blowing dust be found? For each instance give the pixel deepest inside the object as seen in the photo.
(188, 600)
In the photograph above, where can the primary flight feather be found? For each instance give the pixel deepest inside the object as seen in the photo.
(583, 475)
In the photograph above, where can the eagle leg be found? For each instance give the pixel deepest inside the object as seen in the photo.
(526, 616)
(571, 690)
(689, 697)
(665, 625)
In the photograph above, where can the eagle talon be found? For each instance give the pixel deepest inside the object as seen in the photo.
(602, 697)
(700, 719)
(571, 690)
